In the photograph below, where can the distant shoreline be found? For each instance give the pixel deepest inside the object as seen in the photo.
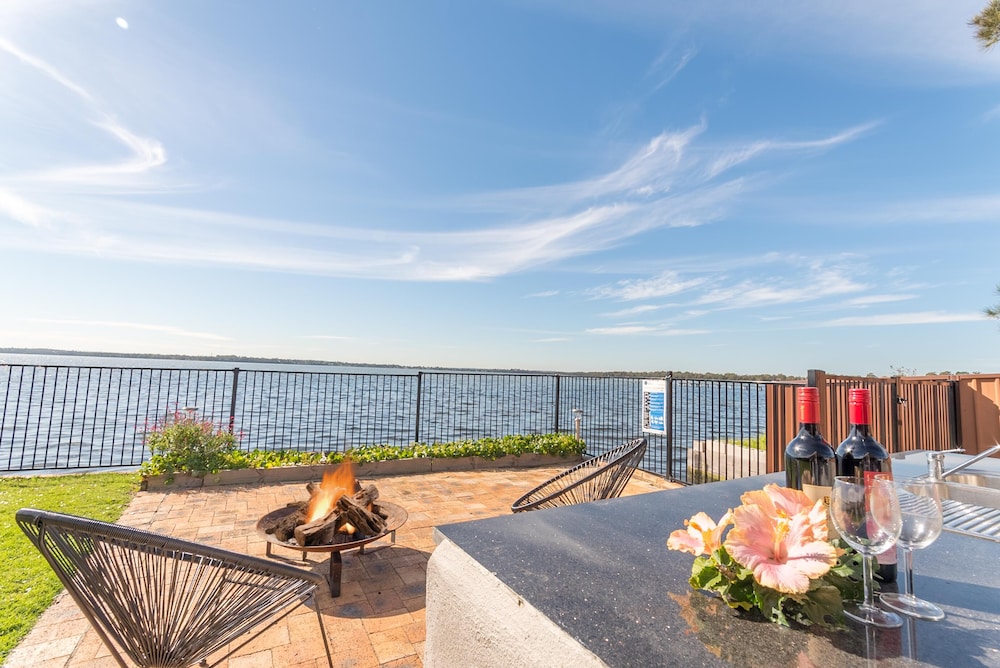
(299, 362)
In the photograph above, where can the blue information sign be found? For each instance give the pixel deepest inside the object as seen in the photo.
(654, 398)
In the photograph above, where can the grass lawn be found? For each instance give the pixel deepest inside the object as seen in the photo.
(27, 584)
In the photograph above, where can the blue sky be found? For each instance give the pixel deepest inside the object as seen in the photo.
(753, 187)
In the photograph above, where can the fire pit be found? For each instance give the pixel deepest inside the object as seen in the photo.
(396, 517)
(340, 515)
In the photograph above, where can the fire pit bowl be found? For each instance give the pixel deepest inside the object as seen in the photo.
(397, 517)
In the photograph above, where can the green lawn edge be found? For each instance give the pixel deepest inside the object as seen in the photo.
(27, 584)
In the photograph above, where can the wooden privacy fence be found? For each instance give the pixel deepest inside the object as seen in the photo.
(908, 413)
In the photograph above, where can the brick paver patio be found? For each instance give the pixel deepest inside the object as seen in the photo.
(378, 620)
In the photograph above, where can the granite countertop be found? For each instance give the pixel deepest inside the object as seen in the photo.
(601, 571)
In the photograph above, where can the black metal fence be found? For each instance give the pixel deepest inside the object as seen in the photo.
(72, 417)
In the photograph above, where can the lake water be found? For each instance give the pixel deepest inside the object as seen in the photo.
(71, 412)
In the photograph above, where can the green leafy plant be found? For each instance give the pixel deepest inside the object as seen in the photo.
(197, 447)
(184, 443)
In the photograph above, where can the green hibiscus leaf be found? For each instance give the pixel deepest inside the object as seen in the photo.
(823, 606)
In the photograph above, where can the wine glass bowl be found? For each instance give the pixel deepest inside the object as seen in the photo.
(866, 515)
(921, 515)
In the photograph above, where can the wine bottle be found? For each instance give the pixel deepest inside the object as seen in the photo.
(810, 462)
(863, 456)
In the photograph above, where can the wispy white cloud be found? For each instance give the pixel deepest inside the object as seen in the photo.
(543, 294)
(890, 319)
(651, 330)
(553, 339)
(741, 154)
(169, 330)
(326, 337)
(649, 170)
(879, 299)
(665, 67)
(666, 284)
(45, 68)
(635, 310)
(146, 154)
(21, 210)
(661, 183)
(824, 282)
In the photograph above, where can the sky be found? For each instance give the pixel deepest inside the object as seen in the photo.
(558, 185)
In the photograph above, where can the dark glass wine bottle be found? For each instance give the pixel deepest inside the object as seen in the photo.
(810, 462)
(863, 456)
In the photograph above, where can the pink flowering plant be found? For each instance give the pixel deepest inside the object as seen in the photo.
(185, 443)
(773, 553)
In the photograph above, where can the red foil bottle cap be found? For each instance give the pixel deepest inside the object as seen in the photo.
(808, 405)
(859, 402)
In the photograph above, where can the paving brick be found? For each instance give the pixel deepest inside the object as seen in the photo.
(378, 621)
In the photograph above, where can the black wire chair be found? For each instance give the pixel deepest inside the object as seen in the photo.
(165, 602)
(600, 477)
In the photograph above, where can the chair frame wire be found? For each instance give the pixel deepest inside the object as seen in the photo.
(166, 602)
(602, 477)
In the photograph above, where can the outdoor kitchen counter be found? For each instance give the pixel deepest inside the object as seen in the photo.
(594, 584)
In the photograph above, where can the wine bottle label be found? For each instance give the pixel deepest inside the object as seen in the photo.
(821, 493)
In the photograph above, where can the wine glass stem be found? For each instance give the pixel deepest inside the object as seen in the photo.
(866, 576)
(908, 569)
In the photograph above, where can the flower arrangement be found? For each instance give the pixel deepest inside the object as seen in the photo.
(773, 553)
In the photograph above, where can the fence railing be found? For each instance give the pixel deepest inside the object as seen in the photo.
(71, 417)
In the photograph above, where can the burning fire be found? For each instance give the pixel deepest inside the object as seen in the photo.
(336, 483)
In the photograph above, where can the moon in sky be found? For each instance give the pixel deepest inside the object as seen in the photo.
(122, 23)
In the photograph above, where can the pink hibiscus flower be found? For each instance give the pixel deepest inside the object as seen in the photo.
(702, 536)
(781, 539)
(780, 501)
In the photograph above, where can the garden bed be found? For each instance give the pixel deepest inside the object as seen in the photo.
(388, 467)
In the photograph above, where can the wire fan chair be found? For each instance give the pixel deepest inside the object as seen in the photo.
(165, 602)
(601, 477)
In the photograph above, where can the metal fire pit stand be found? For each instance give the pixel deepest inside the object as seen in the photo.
(397, 517)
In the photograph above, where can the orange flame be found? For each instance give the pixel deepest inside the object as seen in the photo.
(336, 483)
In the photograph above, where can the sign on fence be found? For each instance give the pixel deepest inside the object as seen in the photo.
(654, 400)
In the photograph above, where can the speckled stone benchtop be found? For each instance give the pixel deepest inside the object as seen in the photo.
(597, 583)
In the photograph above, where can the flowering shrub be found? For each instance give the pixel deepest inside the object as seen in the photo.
(183, 443)
(776, 557)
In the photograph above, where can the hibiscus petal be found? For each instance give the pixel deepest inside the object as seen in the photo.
(782, 577)
(787, 500)
(686, 541)
(813, 559)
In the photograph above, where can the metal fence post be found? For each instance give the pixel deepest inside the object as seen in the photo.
(555, 429)
(416, 426)
(232, 400)
(668, 422)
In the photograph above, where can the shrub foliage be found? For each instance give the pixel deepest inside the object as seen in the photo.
(199, 449)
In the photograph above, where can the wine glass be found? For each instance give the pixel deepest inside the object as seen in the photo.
(867, 518)
(920, 509)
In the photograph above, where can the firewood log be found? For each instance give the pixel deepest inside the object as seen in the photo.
(318, 532)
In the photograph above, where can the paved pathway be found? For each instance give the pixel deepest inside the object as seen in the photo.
(378, 620)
